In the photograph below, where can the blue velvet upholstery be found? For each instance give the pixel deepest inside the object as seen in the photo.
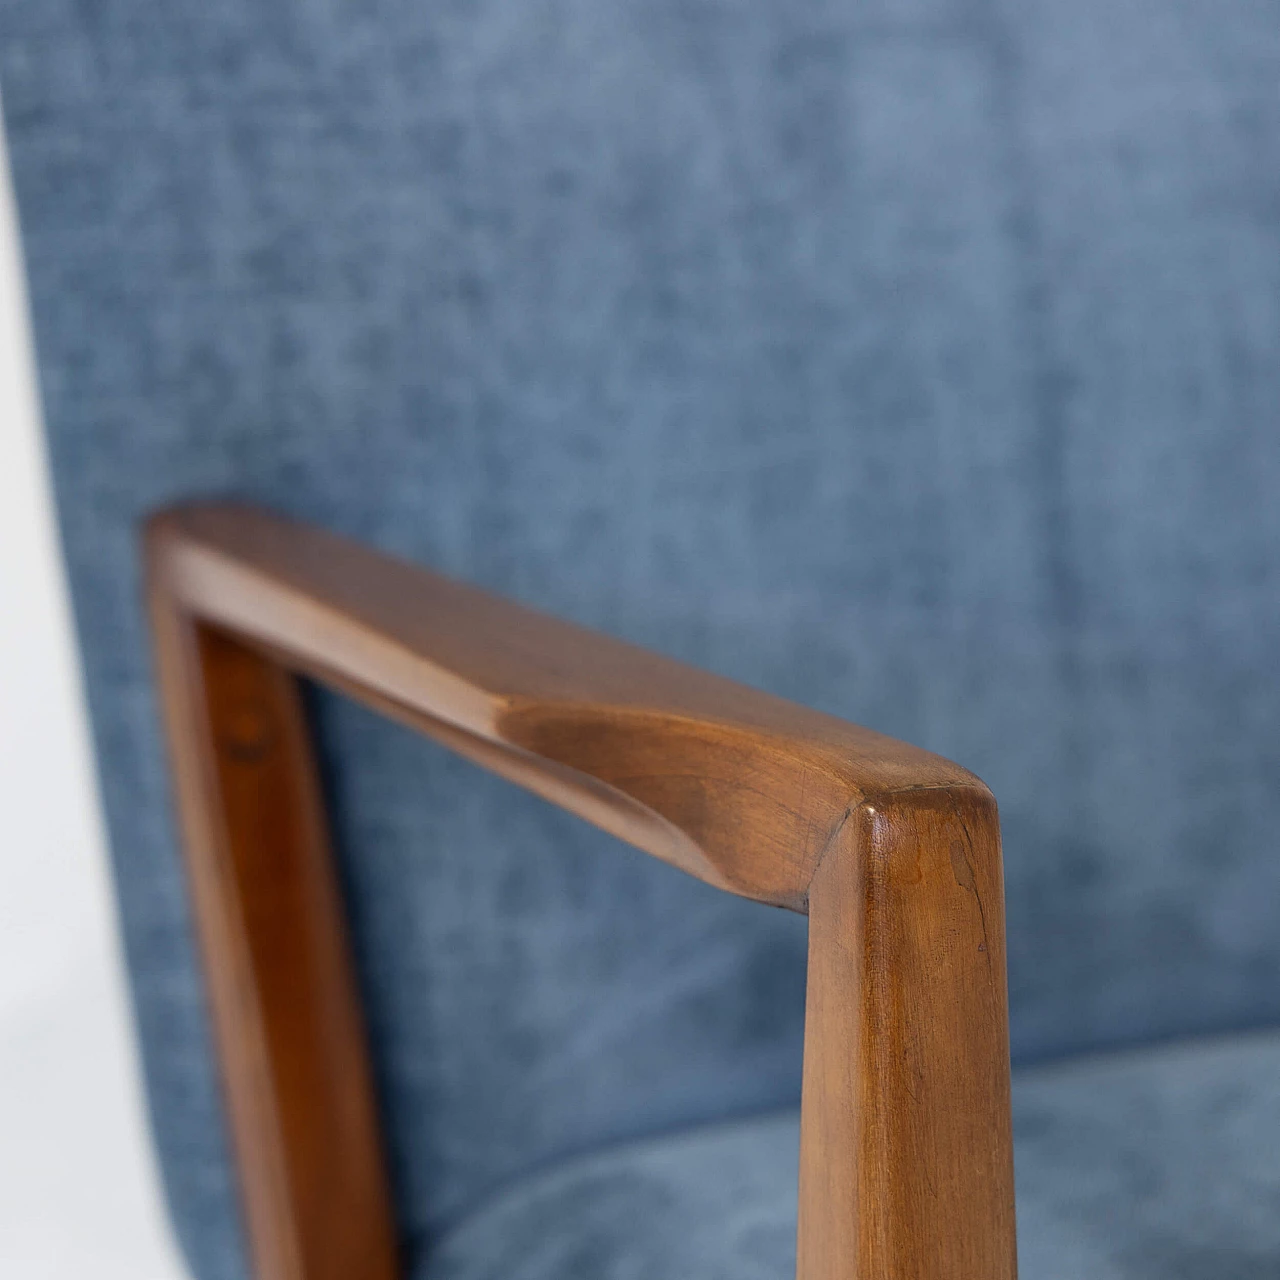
(912, 358)
(1152, 1165)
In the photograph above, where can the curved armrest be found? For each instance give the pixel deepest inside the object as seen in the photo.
(740, 788)
(906, 1153)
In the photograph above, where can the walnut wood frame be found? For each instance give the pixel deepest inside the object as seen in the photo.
(906, 1150)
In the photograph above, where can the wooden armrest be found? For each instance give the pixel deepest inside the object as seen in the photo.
(737, 787)
(894, 852)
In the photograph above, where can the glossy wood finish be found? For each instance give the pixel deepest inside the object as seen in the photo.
(906, 1155)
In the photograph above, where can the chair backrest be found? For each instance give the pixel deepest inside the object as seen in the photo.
(916, 359)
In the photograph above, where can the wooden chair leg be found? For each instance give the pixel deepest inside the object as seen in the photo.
(906, 1142)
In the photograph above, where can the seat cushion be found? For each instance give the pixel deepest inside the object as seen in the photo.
(1155, 1165)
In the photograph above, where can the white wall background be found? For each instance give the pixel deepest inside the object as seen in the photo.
(78, 1191)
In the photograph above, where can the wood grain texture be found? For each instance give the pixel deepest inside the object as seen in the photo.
(906, 1164)
(906, 1147)
(737, 787)
(272, 931)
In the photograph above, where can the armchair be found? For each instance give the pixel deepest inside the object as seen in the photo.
(914, 360)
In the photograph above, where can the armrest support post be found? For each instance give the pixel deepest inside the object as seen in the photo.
(282, 994)
(906, 1148)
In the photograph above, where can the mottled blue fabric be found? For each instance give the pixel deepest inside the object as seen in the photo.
(915, 359)
(1160, 1164)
